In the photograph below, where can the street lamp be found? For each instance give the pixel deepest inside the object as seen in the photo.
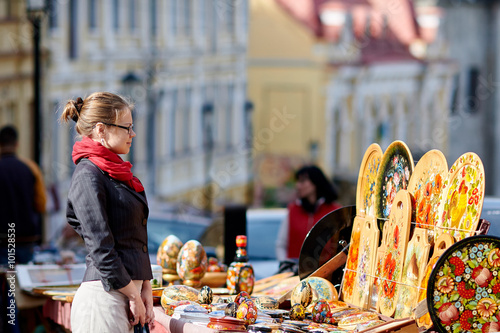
(207, 113)
(35, 10)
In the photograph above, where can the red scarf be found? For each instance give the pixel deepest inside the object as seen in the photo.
(106, 160)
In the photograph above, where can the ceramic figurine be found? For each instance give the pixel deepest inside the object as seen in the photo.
(242, 295)
(297, 312)
(320, 311)
(206, 295)
(240, 275)
(247, 311)
(231, 309)
(168, 251)
(302, 294)
(192, 263)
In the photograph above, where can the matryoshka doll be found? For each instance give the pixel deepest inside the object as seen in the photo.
(240, 275)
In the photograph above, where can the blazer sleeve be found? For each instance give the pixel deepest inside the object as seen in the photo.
(87, 198)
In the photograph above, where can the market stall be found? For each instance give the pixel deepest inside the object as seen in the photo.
(412, 262)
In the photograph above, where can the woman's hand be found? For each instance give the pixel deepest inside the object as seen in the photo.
(137, 308)
(147, 299)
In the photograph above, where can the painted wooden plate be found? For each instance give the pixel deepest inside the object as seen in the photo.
(379, 269)
(463, 293)
(365, 191)
(440, 246)
(322, 242)
(399, 234)
(425, 186)
(363, 286)
(417, 255)
(462, 197)
(393, 175)
(349, 279)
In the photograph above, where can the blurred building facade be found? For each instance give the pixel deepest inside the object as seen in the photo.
(471, 31)
(16, 73)
(343, 74)
(183, 63)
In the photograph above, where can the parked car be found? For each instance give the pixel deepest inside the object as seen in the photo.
(262, 230)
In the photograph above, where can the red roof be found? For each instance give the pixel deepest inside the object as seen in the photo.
(392, 24)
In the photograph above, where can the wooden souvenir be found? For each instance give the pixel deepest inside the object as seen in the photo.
(417, 254)
(352, 261)
(392, 266)
(462, 197)
(366, 263)
(167, 254)
(192, 263)
(464, 287)
(321, 288)
(378, 268)
(365, 191)
(442, 244)
(393, 175)
(425, 186)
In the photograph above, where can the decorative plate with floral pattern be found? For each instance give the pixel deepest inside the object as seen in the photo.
(425, 185)
(463, 294)
(365, 191)
(393, 175)
(461, 198)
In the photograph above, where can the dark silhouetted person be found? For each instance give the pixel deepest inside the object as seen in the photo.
(22, 201)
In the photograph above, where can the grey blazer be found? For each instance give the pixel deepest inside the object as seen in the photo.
(112, 220)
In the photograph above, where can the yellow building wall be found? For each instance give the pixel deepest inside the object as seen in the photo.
(286, 83)
(16, 74)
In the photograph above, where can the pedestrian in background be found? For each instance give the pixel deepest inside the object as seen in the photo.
(107, 207)
(22, 199)
(316, 197)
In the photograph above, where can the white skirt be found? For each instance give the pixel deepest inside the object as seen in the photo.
(95, 310)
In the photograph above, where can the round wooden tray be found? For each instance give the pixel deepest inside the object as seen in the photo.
(464, 289)
(461, 200)
(365, 190)
(393, 175)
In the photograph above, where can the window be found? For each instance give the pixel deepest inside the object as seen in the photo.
(186, 116)
(152, 18)
(473, 101)
(171, 128)
(92, 17)
(186, 15)
(173, 16)
(131, 13)
(116, 15)
(229, 115)
(53, 17)
(73, 29)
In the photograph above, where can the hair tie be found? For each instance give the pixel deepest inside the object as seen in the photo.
(79, 104)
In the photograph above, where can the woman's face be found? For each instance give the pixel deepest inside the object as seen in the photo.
(304, 187)
(118, 139)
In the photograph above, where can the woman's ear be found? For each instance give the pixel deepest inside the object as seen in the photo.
(99, 130)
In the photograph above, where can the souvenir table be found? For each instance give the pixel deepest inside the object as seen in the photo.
(413, 261)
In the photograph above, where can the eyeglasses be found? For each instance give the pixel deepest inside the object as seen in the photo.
(128, 128)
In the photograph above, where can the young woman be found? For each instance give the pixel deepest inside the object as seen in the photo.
(107, 207)
(315, 198)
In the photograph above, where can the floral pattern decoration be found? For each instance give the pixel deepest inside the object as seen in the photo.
(351, 265)
(463, 194)
(465, 294)
(394, 174)
(391, 270)
(370, 179)
(426, 199)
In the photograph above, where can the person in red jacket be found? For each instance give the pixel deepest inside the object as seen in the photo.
(316, 197)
